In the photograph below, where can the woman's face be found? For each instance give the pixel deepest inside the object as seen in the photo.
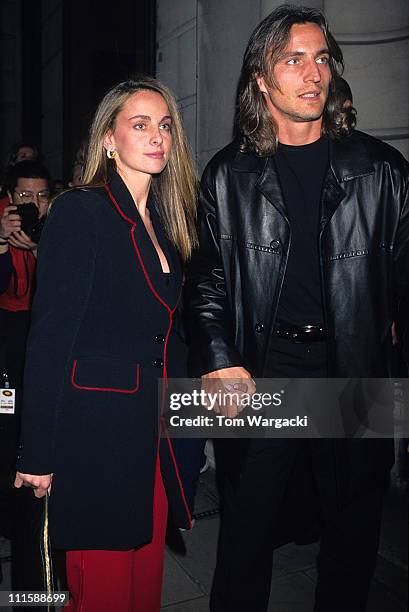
(142, 136)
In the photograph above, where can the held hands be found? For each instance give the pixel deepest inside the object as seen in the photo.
(229, 385)
(40, 484)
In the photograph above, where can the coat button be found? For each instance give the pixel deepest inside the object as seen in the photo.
(158, 363)
(159, 338)
(259, 327)
(274, 244)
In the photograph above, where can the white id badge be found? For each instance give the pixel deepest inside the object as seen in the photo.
(7, 401)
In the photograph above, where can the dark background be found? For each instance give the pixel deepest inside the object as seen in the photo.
(57, 59)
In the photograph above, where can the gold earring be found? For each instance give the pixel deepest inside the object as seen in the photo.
(111, 153)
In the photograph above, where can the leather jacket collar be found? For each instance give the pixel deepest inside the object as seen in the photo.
(348, 160)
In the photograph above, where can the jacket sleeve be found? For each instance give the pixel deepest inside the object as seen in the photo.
(401, 264)
(65, 269)
(208, 314)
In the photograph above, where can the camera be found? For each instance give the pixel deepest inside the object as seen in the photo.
(30, 222)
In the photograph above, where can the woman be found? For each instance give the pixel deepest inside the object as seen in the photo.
(109, 281)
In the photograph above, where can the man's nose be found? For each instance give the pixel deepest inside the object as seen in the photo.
(312, 72)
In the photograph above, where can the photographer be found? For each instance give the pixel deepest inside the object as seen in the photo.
(21, 215)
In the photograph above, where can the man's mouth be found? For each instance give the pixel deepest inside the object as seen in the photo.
(310, 95)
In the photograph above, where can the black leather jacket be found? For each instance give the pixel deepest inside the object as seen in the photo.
(237, 273)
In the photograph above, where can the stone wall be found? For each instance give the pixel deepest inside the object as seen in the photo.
(200, 44)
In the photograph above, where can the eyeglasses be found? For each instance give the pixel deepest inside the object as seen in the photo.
(30, 196)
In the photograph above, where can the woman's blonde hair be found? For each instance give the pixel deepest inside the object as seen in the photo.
(175, 187)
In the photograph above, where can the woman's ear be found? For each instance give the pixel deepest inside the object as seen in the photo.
(109, 140)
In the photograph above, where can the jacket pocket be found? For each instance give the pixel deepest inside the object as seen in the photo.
(105, 375)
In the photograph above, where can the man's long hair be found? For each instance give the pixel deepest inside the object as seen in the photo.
(257, 130)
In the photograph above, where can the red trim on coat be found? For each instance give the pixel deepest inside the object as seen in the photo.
(82, 387)
(171, 312)
(144, 270)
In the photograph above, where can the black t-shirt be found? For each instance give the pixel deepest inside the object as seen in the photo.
(301, 170)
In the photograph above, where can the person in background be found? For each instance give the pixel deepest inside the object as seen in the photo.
(22, 151)
(76, 179)
(27, 182)
(109, 284)
(58, 187)
(78, 166)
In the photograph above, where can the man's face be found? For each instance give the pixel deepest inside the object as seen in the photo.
(32, 190)
(302, 75)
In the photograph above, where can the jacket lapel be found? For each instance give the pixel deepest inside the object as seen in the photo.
(126, 209)
(332, 195)
(123, 198)
(348, 160)
(269, 185)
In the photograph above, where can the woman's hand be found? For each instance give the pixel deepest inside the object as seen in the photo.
(40, 484)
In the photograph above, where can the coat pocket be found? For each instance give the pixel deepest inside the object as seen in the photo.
(105, 375)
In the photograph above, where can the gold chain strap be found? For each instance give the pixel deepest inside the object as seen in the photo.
(47, 553)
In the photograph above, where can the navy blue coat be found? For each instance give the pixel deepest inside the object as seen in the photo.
(101, 338)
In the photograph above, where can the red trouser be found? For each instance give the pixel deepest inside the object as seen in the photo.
(121, 581)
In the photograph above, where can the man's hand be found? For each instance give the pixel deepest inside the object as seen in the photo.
(10, 222)
(20, 240)
(231, 384)
(40, 484)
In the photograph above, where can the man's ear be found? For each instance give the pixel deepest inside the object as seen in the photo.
(261, 84)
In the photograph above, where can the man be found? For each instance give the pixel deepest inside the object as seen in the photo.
(304, 243)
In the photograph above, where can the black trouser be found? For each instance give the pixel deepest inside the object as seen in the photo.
(253, 496)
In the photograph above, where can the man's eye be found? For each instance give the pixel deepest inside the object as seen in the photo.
(166, 126)
(293, 62)
(139, 126)
(323, 60)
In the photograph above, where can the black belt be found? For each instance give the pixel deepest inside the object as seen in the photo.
(300, 333)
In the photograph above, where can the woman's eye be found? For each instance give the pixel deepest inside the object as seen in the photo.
(139, 126)
(166, 126)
